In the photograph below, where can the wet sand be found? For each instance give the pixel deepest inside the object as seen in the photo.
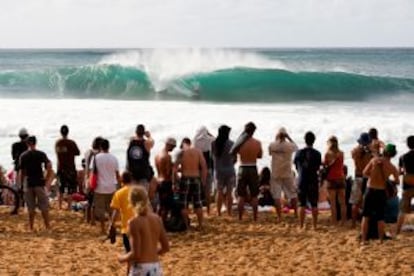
(225, 247)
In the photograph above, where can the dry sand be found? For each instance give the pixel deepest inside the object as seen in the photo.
(224, 247)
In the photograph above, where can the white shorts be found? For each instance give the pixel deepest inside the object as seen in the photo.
(145, 269)
(285, 184)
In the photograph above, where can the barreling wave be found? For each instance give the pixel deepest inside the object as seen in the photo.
(233, 84)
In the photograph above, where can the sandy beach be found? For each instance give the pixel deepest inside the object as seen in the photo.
(225, 247)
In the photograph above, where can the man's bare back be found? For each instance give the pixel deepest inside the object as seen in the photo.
(378, 170)
(145, 232)
(164, 165)
(191, 161)
(250, 151)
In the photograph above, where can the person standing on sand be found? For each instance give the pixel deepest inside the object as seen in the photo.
(407, 169)
(224, 168)
(334, 162)
(138, 155)
(146, 231)
(190, 162)
(378, 172)
(281, 151)
(249, 150)
(121, 206)
(308, 162)
(376, 145)
(164, 165)
(89, 157)
(202, 141)
(32, 165)
(108, 179)
(66, 151)
(361, 155)
(18, 148)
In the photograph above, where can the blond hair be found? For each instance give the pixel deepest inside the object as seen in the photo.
(138, 199)
(333, 147)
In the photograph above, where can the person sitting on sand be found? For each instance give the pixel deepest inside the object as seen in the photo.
(308, 162)
(265, 196)
(334, 162)
(190, 162)
(281, 151)
(32, 165)
(378, 172)
(145, 232)
(249, 150)
(108, 179)
(164, 165)
(361, 155)
(224, 168)
(407, 169)
(376, 145)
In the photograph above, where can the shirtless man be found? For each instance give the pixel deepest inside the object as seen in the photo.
(164, 165)
(378, 171)
(190, 162)
(361, 155)
(248, 179)
(146, 231)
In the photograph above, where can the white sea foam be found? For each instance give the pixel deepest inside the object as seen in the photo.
(116, 120)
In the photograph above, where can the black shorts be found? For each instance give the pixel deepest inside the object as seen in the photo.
(247, 178)
(308, 192)
(166, 195)
(190, 190)
(68, 181)
(374, 204)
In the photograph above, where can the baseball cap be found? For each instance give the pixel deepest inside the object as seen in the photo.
(171, 141)
(23, 132)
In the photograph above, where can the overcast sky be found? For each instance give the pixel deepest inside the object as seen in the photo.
(205, 23)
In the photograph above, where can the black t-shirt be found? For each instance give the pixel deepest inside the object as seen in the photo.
(32, 163)
(407, 162)
(138, 160)
(17, 149)
(308, 162)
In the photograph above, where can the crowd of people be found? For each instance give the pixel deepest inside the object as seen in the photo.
(148, 201)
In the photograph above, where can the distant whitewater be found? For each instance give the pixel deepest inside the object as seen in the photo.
(217, 75)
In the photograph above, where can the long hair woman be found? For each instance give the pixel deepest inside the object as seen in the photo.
(334, 163)
(146, 231)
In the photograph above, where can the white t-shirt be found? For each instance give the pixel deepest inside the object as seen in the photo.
(281, 153)
(107, 166)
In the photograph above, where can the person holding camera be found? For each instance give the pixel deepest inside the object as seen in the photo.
(378, 171)
(361, 155)
(281, 151)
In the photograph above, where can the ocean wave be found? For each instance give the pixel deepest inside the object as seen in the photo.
(238, 83)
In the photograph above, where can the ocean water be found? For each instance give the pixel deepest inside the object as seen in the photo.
(175, 91)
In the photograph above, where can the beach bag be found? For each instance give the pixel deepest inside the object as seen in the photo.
(93, 178)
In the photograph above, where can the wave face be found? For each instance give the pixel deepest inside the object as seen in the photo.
(211, 75)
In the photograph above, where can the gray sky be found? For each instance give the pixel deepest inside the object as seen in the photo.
(205, 23)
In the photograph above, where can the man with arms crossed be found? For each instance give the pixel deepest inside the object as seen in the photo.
(32, 163)
(190, 162)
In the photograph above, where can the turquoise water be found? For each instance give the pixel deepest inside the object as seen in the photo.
(217, 75)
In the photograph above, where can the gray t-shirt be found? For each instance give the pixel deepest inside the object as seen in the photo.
(224, 164)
